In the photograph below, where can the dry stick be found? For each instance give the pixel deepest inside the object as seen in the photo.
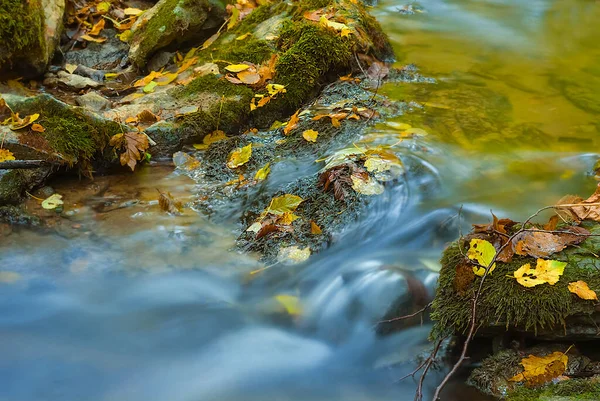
(430, 361)
(423, 309)
(463, 354)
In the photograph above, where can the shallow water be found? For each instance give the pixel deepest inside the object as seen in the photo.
(122, 302)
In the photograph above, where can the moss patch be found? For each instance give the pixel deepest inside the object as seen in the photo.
(504, 302)
(252, 50)
(20, 27)
(574, 389)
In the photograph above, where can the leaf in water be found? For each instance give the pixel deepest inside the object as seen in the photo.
(374, 164)
(184, 161)
(546, 271)
(237, 67)
(92, 39)
(483, 252)
(366, 185)
(290, 303)
(150, 87)
(134, 146)
(169, 204)
(283, 204)
(263, 173)
(18, 123)
(582, 290)
(539, 370)
(240, 156)
(37, 128)
(315, 229)
(293, 123)
(52, 202)
(293, 254)
(208, 139)
(6, 155)
(310, 135)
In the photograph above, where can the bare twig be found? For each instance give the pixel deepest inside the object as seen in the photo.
(422, 310)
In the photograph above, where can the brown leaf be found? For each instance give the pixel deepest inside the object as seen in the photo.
(542, 244)
(315, 229)
(266, 229)
(566, 213)
(169, 204)
(463, 277)
(147, 117)
(37, 128)
(552, 223)
(5, 111)
(377, 72)
(134, 146)
(249, 77)
(591, 212)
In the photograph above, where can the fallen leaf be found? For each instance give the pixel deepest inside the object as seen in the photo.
(287, 218)
(147, 117)
(18, 123)
(255, 227)
(293, 254)
(366, 185)
(539, 370)
(463, 277)
(249, 77)
(237, 67)
(168, 204)
(591, 212)
(132, 11)
(244, 36)
(284, 204)
(235, 15)
(52, 202)
(166, 79)
(150, 87)
(541, 244)
(582, 290)
(334, 25)
(290, 303)
(263, 172)
(131, 97)
(70, 68)
(92, 39)
(310, 135)
(37, 128)
(315, 229)
(103, 7)
(133, 144)
(275, 89)
(97, 28)
(293, 123)
(483, 252)
(147, 79)
(6, 155)
(208, 139)
(546, 271)
(210, 41)
(5, 111)
(240, 156)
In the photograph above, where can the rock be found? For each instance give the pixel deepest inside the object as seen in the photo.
(29, 34)
(172, 21)
(93, 101)
(109, 55)
(75, 81)
(159, 60)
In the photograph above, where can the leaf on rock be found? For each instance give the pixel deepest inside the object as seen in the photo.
(287, 218)
(5, 111)
(263, 173)
(541, 244)
(582, 290)
(377, 71)
(208, 139)
(539, 370)
(166, 79)
(483, 252)
(132, 11)
(20, 123)
(284, 204)
(210, 41)
(150, 87)
(293, 123)
(315, 229)
(97, 28)
(147, 79)
(546, 271)
(237, 67)
(52, 202)
(364, 184)
(293, 254)
(275, 89)
(37, 128)
(169, 204)
(133, 144)
(92, 39)
(310, 135)
(290, 303)
(6, 155)
(240, 156)
(588, 212)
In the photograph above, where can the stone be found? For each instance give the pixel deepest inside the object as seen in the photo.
(109, 55)
(29, 34)
(75, 81)
(172, 21)
(93, 101)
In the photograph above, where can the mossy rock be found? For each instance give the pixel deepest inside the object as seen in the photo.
(173, 21)
(545, 311)
(29, 34)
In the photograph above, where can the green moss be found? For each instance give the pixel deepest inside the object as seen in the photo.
(20, 27)
(575, 389)
(315, 4)
(14, 184)
(251, 50)
(504, 302)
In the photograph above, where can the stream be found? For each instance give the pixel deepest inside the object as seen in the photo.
(125, 302)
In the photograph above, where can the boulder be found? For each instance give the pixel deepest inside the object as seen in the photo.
(29, 33)
(173, 21)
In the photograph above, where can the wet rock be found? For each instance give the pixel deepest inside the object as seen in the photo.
(583, 93)
(14, 215)
(111, 54)
(172, 21)
(75, 81)
(93, 101)
(159, 60)
(14, 183)
(29, 34)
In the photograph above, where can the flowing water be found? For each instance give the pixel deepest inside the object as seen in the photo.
(122, 302)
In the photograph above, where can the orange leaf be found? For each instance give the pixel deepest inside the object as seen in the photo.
(98, 27)
(91, 39)
(315, 229)
(582, 290)
(293, 123)
(37, 128)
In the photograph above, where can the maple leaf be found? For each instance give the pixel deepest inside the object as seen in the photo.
(310, 135)
(6, 155)
(546, 271)
(284, 204)
(539, 370)
(293, 123)
(239, 156)
(168, 204)
(582, 290)
(483, 252)
(133, 144)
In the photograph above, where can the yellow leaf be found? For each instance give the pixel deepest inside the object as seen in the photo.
(244, 36)
(210, 41)
(546, 271)
(6, 155)
(103, 7)
(334, 25)
(293, 254)
(149, 88)
(70, 68)
(131, 97)
(213, 137)
(315, 229)
(274, 89)
(287, 218)
(147, 79)
(290, 303)
(539, 370)
(52, 202)
(37, 128)
(263, 172)
(310, 135)
(283, 204)
(345, 32)
(255, 227)
(132, 11)
(292, 123)
(237, 67)
(240, 156)
(582, 290)
(98, 27)
(233, 20)
(18, 123)
(366, 186)
(125, 36)
(92, 39)
(483, 252)
(166, 79)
